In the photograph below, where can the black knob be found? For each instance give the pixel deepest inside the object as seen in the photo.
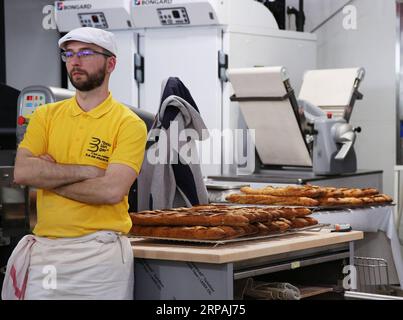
(358, 129)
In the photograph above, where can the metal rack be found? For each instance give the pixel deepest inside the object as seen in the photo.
(372, 275)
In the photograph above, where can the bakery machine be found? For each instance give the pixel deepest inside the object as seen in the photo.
(304, 139)
(33, 97)
(10, 197)
(196, 41)
(17, 205)
(14, 199)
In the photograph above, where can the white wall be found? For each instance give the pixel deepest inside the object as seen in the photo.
(372, 46)
(32, 55)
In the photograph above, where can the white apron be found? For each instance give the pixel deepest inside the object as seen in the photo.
(96, 266)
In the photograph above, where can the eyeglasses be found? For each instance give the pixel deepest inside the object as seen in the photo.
(82, 54)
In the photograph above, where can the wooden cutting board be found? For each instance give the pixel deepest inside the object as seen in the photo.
(232, 252)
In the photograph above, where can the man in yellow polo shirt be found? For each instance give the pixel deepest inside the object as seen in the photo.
(82, 154)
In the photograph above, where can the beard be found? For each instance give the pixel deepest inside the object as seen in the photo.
(92, 81)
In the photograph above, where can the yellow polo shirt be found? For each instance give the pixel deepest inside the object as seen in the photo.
(109, 133)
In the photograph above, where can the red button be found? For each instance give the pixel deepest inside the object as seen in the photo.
(329, 115)
(21, 120)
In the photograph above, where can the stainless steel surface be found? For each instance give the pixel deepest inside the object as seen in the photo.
(369, 296)
(289, 256)
(344, 134)
(217, 191)
(290, 265)
(350, 207)
(225, 186)
(14, 205)
(359, 179)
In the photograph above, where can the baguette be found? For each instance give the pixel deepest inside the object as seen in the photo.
(196, 232)
(357, 193)
(262, 229)
(188, 219)
(311, 221)
(290, 213)
(290, 191)
(250, 229)
(277, 226)
(341, 201)
(303, 222)
(271, 200)
(382, 198)
(299, 223)
(253, 214)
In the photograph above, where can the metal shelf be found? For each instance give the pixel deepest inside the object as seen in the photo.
(290, 265)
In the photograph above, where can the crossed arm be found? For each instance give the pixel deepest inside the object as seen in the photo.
(82, 183)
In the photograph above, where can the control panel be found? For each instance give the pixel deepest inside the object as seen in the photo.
(29, 103)
(173, 16)
(101, 14)
(94, 20)
(32, 98)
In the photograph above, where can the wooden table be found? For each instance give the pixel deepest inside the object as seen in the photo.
(175, 270)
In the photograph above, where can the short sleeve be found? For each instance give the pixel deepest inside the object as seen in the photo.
(35, 136)
(130, 144)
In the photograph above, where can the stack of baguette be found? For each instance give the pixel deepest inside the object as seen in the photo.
(218, 222)
(309, 196)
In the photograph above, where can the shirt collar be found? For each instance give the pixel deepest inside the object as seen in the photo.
(96, 112)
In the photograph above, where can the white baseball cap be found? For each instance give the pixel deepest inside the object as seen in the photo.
(101, 38)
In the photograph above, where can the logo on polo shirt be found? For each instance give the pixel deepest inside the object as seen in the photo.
(98, 149)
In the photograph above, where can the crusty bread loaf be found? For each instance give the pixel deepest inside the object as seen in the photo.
(311, 221)
(250, 230)
(382, 198)
(215, 222)
(299, 223)
(253, 214)
(271, 200)
(196, 232)
(188, 219)
(303, 222)
(340, 201)
(357, 193)
(262, 229)
(290, 213)
(289, 191)
(307, 191)
(277, 226)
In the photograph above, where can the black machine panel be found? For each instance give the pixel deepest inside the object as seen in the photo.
(8, 116)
